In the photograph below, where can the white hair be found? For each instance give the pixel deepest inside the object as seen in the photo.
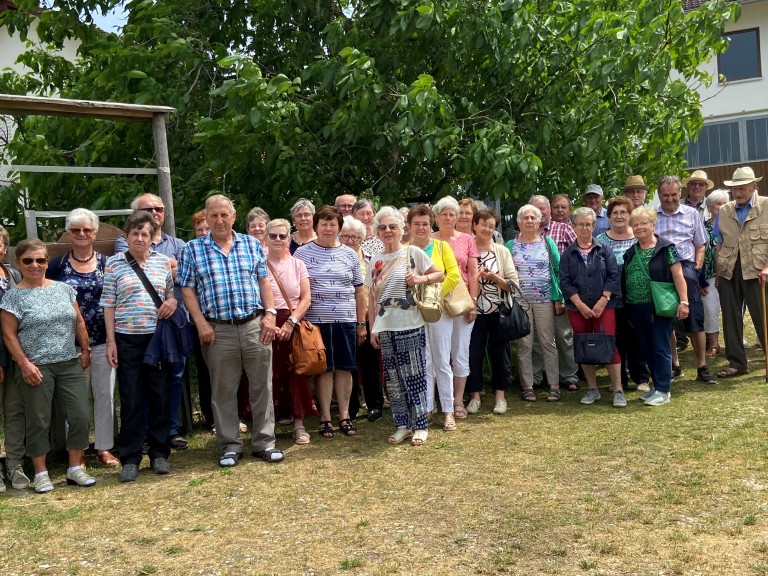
(583, 212)
(356, 226)
(445, 202)
(219, 198)
(539, 198)
(302, 203)
(529, 208)
(135, 202)
(277, 223)
(388, 212)
(79, 215)
(718, 195)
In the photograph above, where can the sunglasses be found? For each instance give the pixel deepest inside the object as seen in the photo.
(391, 226)
(156, 209)
(78, 231)
(275, 236)
(38, 261)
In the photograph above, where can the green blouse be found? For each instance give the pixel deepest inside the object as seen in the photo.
(638, 287)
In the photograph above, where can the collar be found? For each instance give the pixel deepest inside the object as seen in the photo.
(748, 205)
(678, 210)
(687, 202)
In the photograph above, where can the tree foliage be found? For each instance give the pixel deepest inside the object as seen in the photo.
(399, 99)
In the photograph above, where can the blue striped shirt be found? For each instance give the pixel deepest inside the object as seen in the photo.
(227, 285)
(684, 228)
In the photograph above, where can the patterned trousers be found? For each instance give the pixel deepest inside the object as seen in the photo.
(405, 376)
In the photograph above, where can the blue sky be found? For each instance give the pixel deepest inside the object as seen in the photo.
(112, 21)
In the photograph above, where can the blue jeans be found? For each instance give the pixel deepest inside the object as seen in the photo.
(174, 396)
(141, 385)
(653, 333)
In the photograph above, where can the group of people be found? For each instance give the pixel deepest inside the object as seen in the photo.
(353, 271)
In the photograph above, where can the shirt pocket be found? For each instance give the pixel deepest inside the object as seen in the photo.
(758, 233)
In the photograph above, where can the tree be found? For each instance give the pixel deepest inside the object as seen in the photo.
(399, 99)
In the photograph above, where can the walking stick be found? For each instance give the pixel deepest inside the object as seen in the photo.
(765, 329)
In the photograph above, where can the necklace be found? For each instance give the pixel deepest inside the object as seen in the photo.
(76, 259)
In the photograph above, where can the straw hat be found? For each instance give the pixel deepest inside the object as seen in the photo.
(634, 182)
(742, 176)
(701, 176)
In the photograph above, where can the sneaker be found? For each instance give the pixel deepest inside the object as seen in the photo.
(647, 394)
(43, 483)
(643, 387)
(704, 375)
(2, 481)
(129, 473)
(79, 477)
(19, 480)
(473, 406)
(160, 465)
(619, 400)
(677, 372)
(177, 442)
(657, 399)
(374, 415)
(592, 396)
(500, 407)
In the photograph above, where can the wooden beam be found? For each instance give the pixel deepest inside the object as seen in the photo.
(164, 171)
(39, 105)
(76, 169)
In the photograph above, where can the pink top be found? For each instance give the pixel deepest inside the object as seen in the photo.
(291, 272)
(464, 248)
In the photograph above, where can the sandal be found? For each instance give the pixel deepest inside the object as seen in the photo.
(572, 386)
(300, 435)
(528, 395)
(730, 372)
(229, 459)
(347, 428)
(399, 435)
(270, 455)
(459, 411)
(419, 437)
(449, 425)
(554, 395)
(326, 429)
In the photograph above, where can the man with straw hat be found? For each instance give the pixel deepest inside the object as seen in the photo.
(636, 190)
(697, 186)
(741, 228)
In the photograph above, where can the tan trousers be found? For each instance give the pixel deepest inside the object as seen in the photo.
(543, 325)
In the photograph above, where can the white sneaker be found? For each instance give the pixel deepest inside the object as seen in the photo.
(43, 483)
(500, 407)
(18, 479)
(658, 399)
(473, 406)
(645, 395)
(643, 387)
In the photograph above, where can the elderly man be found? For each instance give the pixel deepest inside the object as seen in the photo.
(593, 198)
(561, 208)
(683, 226)
(697, 187)
(345, 203)
(169, 246)
(636, 190)
(742, 264)
(223, 278)
(564, 236)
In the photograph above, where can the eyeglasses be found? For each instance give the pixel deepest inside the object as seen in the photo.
(303, 215)
(584, 225)
(391, 226)
(421, 224)
(349, 238)
(78, 231)
(275, 236)
(619, 213)
(155, 209)
(350, 206)
(38, 261)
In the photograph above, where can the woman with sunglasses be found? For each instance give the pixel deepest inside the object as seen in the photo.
(83, 269)
(290, 391)
(41, 325)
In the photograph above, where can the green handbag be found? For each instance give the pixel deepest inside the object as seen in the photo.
(665, 299)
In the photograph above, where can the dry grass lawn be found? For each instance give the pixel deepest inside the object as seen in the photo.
(545, 489)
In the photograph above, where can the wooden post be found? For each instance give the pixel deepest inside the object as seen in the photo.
(163, 170)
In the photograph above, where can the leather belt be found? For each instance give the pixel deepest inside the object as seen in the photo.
(236, 321)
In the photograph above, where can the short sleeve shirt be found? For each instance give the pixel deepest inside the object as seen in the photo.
(46, 321)
(464, 248)
(490, 294)
(618, 247)
(291, 271)
(532, 263)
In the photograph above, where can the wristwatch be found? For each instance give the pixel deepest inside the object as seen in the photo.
(293, 320)
(270, 311)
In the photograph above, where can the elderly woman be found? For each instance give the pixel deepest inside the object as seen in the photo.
(497, 274)
(620, 238)
(420, 220)
(465, 251)
(131, 318)
(368, 358)
(652, 258)
(41, 324)
(302, 213)
(364, 211)
(83, 269)
(465, 218)
(538, 267)
(397, 325)
(11, 402)
(710, 295)
(256, 224)
(338, 309)
(591, 285)
(289, 279)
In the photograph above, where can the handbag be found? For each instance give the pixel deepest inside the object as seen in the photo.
(594, 348)
(514, 322)
(307, 348)
(665, 299)
(172, 339)
(458, 301)
(428, 298)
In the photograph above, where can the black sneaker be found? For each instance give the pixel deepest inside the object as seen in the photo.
(374, 415)
(177, 442)
(677, 372)
(705, 376)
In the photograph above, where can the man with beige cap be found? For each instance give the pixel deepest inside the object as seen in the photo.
(741, 228)
(636, 190)
(697, 186)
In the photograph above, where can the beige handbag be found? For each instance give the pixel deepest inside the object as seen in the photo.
(428, 298)
(458, 301)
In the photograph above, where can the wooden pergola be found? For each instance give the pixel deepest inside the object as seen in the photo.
(158, 115)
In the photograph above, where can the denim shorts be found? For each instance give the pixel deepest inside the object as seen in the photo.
(340, 339)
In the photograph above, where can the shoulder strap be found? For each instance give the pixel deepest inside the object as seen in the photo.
(144, 280)
(280, 286)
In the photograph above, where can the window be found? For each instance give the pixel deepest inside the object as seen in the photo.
(717, 144)
(742, 58)
(757, 139)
